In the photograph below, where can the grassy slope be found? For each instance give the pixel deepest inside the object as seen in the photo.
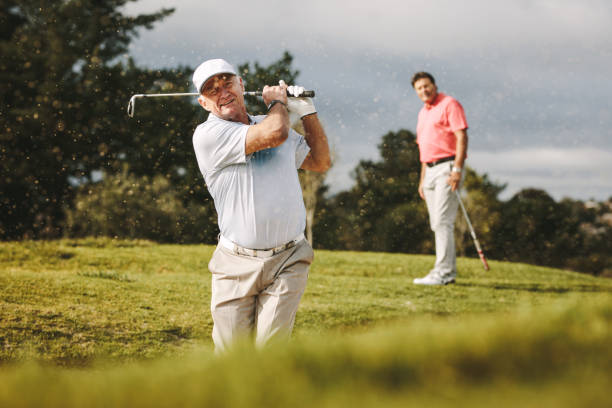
(364, 334)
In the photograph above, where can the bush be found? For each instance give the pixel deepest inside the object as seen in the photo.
(127, 206)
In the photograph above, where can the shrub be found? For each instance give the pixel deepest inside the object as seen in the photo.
(127, 206)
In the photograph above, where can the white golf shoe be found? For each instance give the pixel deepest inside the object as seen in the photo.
(434, 279)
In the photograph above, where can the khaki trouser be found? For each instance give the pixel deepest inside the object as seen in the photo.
(260, 295)
(442, 206)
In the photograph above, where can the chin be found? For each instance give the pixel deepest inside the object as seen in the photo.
(230, 113)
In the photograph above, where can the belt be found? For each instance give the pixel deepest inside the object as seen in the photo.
(435, 162)
(259, 253)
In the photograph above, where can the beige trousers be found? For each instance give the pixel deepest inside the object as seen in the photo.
(442, 204)
(260, 296)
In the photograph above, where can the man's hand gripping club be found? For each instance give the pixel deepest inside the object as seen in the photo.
(298, 107)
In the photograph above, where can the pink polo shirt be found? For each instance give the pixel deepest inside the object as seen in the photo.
(436, 127)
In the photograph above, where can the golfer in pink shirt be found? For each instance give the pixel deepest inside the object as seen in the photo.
(442, 139)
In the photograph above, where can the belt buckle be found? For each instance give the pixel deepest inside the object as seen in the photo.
(281, 248)
(264, 253)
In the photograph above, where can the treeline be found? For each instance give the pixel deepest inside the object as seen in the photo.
(73, 164)
(65, 82)
(383, 212)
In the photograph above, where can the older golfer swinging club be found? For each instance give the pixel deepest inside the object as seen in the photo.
(260, 266)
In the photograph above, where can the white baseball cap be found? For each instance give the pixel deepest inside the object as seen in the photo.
(209, 69)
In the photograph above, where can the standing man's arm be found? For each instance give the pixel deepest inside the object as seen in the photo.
(318, 158)
(460, 153)
(423, 169)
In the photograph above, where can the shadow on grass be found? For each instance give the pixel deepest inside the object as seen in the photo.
(171, 334)
(112, 275)
(539, 288)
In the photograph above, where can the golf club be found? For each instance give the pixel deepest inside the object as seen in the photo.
(132, 102)
(476, 243)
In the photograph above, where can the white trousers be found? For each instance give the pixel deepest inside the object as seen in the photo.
(442, 206)
(259, 296)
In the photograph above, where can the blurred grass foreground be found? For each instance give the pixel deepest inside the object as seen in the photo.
(105, 323)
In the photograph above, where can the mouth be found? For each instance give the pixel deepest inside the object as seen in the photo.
(221, 105)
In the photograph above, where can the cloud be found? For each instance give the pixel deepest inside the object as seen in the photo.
(397, 27)
(530, 73)
(562, 172)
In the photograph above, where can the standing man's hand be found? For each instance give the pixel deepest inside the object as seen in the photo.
(421, 178)
(454, 180)
(421, 192)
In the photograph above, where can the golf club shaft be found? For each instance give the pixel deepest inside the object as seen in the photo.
(305, 94)
(476, 243)
(132, 102)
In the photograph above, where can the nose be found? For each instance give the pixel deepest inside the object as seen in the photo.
(223, 92)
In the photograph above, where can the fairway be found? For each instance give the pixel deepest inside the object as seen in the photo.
(101, 322)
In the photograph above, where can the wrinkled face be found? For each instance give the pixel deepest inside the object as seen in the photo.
(222, 95)
(426, 90)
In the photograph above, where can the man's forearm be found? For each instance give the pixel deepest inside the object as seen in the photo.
(270, 132)
(319, 158)
(461, 148)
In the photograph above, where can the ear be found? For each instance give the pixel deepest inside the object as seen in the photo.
(202, 102)
(241, 84)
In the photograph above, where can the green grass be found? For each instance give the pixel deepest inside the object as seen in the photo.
(101, 322)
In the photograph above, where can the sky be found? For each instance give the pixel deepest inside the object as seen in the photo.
(534, 77)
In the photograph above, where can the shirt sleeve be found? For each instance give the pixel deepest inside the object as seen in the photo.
(220, 145)
(456, 116)
(301, 148)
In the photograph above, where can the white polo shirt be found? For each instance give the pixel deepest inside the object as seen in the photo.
(258, 197)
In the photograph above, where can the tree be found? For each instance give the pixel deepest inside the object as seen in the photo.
(257, 76)
(386, 186)
(534, 228)
(379, 212)
(336, 221)
(311, 182)
(63, 86)
(589, 248)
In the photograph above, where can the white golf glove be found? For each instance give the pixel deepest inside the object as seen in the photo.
(298, 107)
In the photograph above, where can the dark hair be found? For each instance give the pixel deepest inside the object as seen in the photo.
(421, 75)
